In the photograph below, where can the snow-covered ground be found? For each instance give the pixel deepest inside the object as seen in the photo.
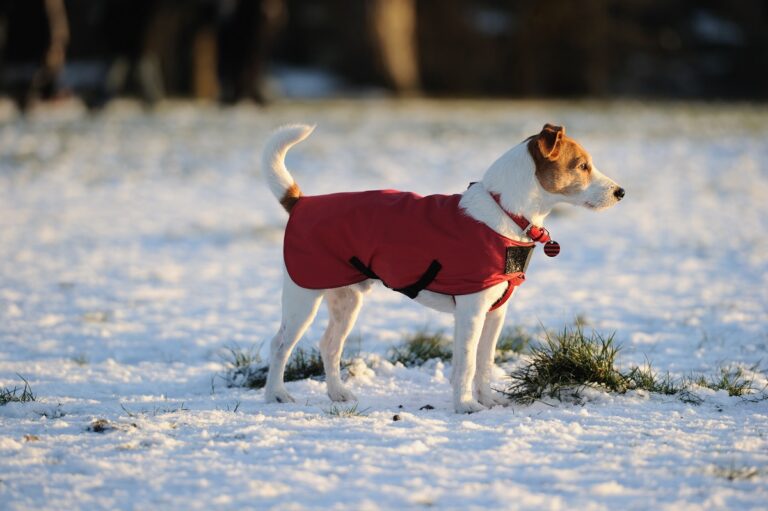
(135, 247)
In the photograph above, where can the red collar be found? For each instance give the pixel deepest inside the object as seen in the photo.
(536, 233)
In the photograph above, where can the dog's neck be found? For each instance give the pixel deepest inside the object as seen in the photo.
(513, 178)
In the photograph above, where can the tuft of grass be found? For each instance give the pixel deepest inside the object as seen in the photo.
(571, 360)
(568, 360)
(245, 368)
(645, 378)
(305, 364)
(345, 412)
(420, 347)
(731, 379)
(512, 342)
(17, 394)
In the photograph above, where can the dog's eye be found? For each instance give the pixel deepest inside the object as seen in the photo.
(584, 166)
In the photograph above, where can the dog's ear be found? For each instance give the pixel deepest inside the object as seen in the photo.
(549, 140)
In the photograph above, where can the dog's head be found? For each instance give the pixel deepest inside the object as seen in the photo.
(565, 170)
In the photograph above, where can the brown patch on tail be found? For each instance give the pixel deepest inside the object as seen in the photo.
(290, 197)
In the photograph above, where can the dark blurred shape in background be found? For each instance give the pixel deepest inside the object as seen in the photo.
(233, 50)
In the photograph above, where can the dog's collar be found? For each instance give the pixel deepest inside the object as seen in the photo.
(534, 232)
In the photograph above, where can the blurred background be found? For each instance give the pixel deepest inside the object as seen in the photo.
(262, 50)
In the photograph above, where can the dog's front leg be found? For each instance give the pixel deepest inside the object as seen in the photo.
(486, 353)
(469, 319)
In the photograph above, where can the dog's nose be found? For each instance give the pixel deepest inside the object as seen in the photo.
(618, 193)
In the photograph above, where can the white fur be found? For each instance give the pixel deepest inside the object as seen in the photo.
(599, 194)
(513, 177)
(477, 202)
(273, 157)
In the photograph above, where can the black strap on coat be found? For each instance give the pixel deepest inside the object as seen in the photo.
(410, 291)
(362, 268)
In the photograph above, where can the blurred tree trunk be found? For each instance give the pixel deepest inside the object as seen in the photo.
(205, 64)
(44, 83)
(246, 30)
(394, 34)
(157, 65)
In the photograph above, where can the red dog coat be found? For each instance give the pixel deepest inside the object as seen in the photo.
(408, 241)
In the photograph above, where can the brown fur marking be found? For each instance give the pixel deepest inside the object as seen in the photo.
(290, 197)
(558, 159)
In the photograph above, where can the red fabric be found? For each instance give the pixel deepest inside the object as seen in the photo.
(397, 235)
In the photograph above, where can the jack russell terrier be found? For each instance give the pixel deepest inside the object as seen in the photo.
(462, 254)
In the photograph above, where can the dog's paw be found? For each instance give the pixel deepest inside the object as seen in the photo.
(468, 406)
(340, 393)
(490, 398)
(278, 396)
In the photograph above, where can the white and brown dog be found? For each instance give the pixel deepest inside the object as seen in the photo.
(462, 254)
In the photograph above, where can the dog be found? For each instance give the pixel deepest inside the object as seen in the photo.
(463, 254)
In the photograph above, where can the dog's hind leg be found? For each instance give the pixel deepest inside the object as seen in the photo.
(343, 306)
(486, 353)
(299, 309)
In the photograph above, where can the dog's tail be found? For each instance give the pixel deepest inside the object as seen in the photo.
(278, 178)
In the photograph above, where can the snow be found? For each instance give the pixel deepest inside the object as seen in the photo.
(136, 246)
